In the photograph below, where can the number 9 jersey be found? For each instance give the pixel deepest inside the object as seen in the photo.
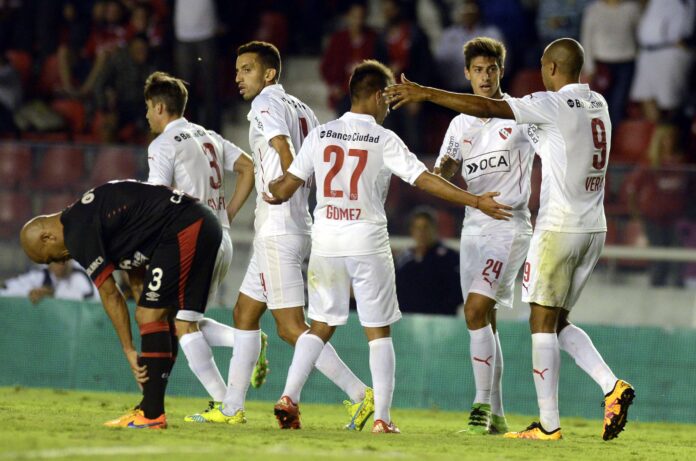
(571, 131)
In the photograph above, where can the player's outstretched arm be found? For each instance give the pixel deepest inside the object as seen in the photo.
(470, 104)
(282, 188)
(244, 167)
(282, 145)
(115, 307)
(438, 187)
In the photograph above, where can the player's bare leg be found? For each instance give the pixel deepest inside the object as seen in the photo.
(618, 394)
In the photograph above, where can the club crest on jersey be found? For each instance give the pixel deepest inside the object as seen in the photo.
(491, 162)
(505, 133)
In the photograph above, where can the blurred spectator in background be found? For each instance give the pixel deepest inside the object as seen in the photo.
(119, 89)
(143, 22)
(10, 95)
(466, 18)
(658, 195)
(347, 48)
(664, 59)
(404, 47)
(609, 38)
(427, 275)
(556, 19)
(195, 55)
(60, 280)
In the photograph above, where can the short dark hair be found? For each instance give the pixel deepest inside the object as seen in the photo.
(484, 46)
(267, 52)
(424, 212)
(368, 77)
(170, 91)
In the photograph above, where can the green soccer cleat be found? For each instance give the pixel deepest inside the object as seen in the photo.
(479, 420)
(498, 425)
(258, 376)
(360, 412)
(214, 414)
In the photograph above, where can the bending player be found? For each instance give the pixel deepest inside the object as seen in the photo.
(572, 132)
(353, 159)
(494, 154)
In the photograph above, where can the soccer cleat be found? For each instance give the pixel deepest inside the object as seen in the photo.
(214, 414)
(122, 421)
(258, 376)
(141, 422)
(479, 420)
(498, 425)
(287, 413)
(380, 427)
(535, 432)
(616, 405)
(360, 412)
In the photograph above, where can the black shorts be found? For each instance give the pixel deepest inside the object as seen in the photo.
(181, 267)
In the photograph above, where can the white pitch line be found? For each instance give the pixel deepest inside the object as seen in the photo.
(99, 451)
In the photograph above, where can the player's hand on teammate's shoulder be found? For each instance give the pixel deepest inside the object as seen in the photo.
(404, 93)
(268, 198)
(495, 210)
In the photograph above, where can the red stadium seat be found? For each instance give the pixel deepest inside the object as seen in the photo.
(15, 164)
(631, 141)
(15, 210)
(61, 168)
(526, 81)
(52, 203)
(113, 163)
(21, 61)
(49, 78)
(73, 111)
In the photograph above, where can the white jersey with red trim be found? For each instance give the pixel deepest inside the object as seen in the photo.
(352, 159)
(572, 134)
(273, 113)
(496, 156)
(189, 158)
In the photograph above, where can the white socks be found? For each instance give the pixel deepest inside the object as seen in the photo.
(482, 347)
(202, 364)
(546, 361)
(216, 334)
(307, 351)
(497, 388)
(383, 369)
(578, 345)
(244, 358)
(331, 365)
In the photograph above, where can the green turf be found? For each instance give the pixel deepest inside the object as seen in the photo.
(58, 424)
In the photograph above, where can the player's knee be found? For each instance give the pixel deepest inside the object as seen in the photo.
(290, 332)
(183, 328)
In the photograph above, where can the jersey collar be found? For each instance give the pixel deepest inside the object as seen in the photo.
(575, 87)
(274, 87)
(354, 116)
(174, 123)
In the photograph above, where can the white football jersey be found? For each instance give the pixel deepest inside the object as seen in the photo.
(274, 112)
(572, 134)
(352, 159)
(190, 158)
(496, 156)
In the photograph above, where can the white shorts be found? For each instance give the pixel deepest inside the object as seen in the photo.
(274, 275)
(223, 261)
(662, 75)
(489, 265)
(558, 267)
(372, 278)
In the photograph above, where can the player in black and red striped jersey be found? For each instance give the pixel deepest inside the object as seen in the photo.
(131, 225)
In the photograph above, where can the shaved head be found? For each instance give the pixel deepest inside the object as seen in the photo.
(42, 239)
(567, 54)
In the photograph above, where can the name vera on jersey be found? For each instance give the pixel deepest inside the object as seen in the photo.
(497, 161)
(365, 137)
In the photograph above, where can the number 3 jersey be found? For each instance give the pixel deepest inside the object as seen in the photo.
(193, 160)
(496, 156)
(572, 134)
(352, 159)
(276, 113)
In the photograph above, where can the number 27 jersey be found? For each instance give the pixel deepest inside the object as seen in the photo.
(353, 159)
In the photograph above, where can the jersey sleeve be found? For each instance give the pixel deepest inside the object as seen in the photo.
(450, 144)
(230, 151)
(539, 108)
(269, 115)
(303, 164)
(400, 161)
(160, 161)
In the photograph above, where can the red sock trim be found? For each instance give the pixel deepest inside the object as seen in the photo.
(153, 327)
(156, 355)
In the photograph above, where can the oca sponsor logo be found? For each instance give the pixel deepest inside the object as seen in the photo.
(491, 162)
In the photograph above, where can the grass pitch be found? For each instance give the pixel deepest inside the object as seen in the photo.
(58, 424)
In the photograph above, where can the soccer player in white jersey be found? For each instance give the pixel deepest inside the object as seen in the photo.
(194, 160)
(353, 159)
(494, 154)
(279, 123)
(570, 126)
